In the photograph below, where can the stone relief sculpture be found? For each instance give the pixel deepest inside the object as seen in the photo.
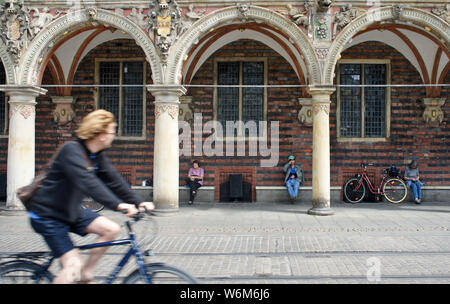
(299, 16)
(189, 18)
(444, 12)
(344, 16)
(164, 20)
(14, 26)
(40, 19)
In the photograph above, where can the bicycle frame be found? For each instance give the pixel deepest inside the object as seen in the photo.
(134, 250)
(372, 189)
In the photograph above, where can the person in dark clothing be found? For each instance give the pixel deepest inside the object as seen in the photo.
(82, 169)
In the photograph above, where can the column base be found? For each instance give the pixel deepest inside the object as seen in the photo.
(320, 211)
(165, 212)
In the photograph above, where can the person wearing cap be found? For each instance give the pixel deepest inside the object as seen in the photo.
(412, 180)
(293, 178)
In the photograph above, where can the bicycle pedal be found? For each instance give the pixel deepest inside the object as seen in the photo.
(148, 253)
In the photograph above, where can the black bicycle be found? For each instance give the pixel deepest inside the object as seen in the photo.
(33, 267)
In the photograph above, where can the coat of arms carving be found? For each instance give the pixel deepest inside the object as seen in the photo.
(14, 21)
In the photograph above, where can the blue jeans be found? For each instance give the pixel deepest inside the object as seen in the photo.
(416, 188)
(292, 185)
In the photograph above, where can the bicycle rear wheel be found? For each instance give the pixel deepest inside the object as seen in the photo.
(354, 192)
(395, 190)
(24, 272)
(161, 274)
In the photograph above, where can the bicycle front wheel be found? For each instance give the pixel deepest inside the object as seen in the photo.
(161, 274)
(395, 190)
(24, 272)
(354, 191)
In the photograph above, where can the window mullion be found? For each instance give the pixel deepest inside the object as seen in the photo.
(119, 119)
(363, 103)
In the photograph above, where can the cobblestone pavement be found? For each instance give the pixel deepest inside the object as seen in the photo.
(280, 243)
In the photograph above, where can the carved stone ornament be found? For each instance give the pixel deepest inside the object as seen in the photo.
(23, 109)
(444, 12)
(40, 19)
(63, 112)
(171, 109)
(185, 111)
(323, 6)
(164, 20)
(14, 23)
(397, 12)
(243, 11)
(344, 16)
(189, 18)
(299, 16)
(305, 115)
(433, 114)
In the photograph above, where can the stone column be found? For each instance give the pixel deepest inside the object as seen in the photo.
(166, 148)
(21, 140)
(321, 151)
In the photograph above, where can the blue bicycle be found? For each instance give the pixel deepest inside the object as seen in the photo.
(33, 267)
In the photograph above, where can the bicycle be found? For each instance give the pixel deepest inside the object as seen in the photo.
(392, 188)
(33, 267)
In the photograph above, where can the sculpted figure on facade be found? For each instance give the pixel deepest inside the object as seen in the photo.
(138, 17)
(344, 16)
(322, 6)
(189, 18)
(299, 16)
(444, 12)
(40, 19)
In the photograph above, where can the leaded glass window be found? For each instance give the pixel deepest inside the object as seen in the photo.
(362, 106)
(127, 101)
(241, 101)
(3, 104)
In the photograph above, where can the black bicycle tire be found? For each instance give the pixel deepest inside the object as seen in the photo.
(345, 191)
(25, 266)
(159, 268)
(404, 187)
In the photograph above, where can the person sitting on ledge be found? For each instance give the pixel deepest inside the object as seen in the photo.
(293, 178)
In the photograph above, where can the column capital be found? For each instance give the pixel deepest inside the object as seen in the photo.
(167, 90)
(23, 89)
(321, 93)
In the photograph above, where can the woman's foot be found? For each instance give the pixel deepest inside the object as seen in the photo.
(417, 201)
(190, 202)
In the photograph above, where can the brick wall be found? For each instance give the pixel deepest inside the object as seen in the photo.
(410, 137)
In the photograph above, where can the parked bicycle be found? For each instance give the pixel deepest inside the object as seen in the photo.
(33, 267)
(392, 188)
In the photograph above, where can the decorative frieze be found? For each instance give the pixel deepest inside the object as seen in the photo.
(171, 109)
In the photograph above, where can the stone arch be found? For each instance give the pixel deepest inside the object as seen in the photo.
(38, 48)
(8, 64)
(227, 15)
(407, 14)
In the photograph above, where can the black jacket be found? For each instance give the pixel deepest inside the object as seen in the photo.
(71, 178)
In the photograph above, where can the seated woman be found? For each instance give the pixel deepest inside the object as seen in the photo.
(412, 180)
(194, 180)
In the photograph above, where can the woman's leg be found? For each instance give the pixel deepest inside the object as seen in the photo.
(194, 187)
(290, 187)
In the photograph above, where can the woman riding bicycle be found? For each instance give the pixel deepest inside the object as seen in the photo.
(56, 209)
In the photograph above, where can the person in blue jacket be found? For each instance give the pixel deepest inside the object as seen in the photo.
(293, 178)
(80, 169)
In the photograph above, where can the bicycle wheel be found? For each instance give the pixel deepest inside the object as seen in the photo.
(395, 190)
(161, 274)
(23, 272)
(354, 192)
(89, 203)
